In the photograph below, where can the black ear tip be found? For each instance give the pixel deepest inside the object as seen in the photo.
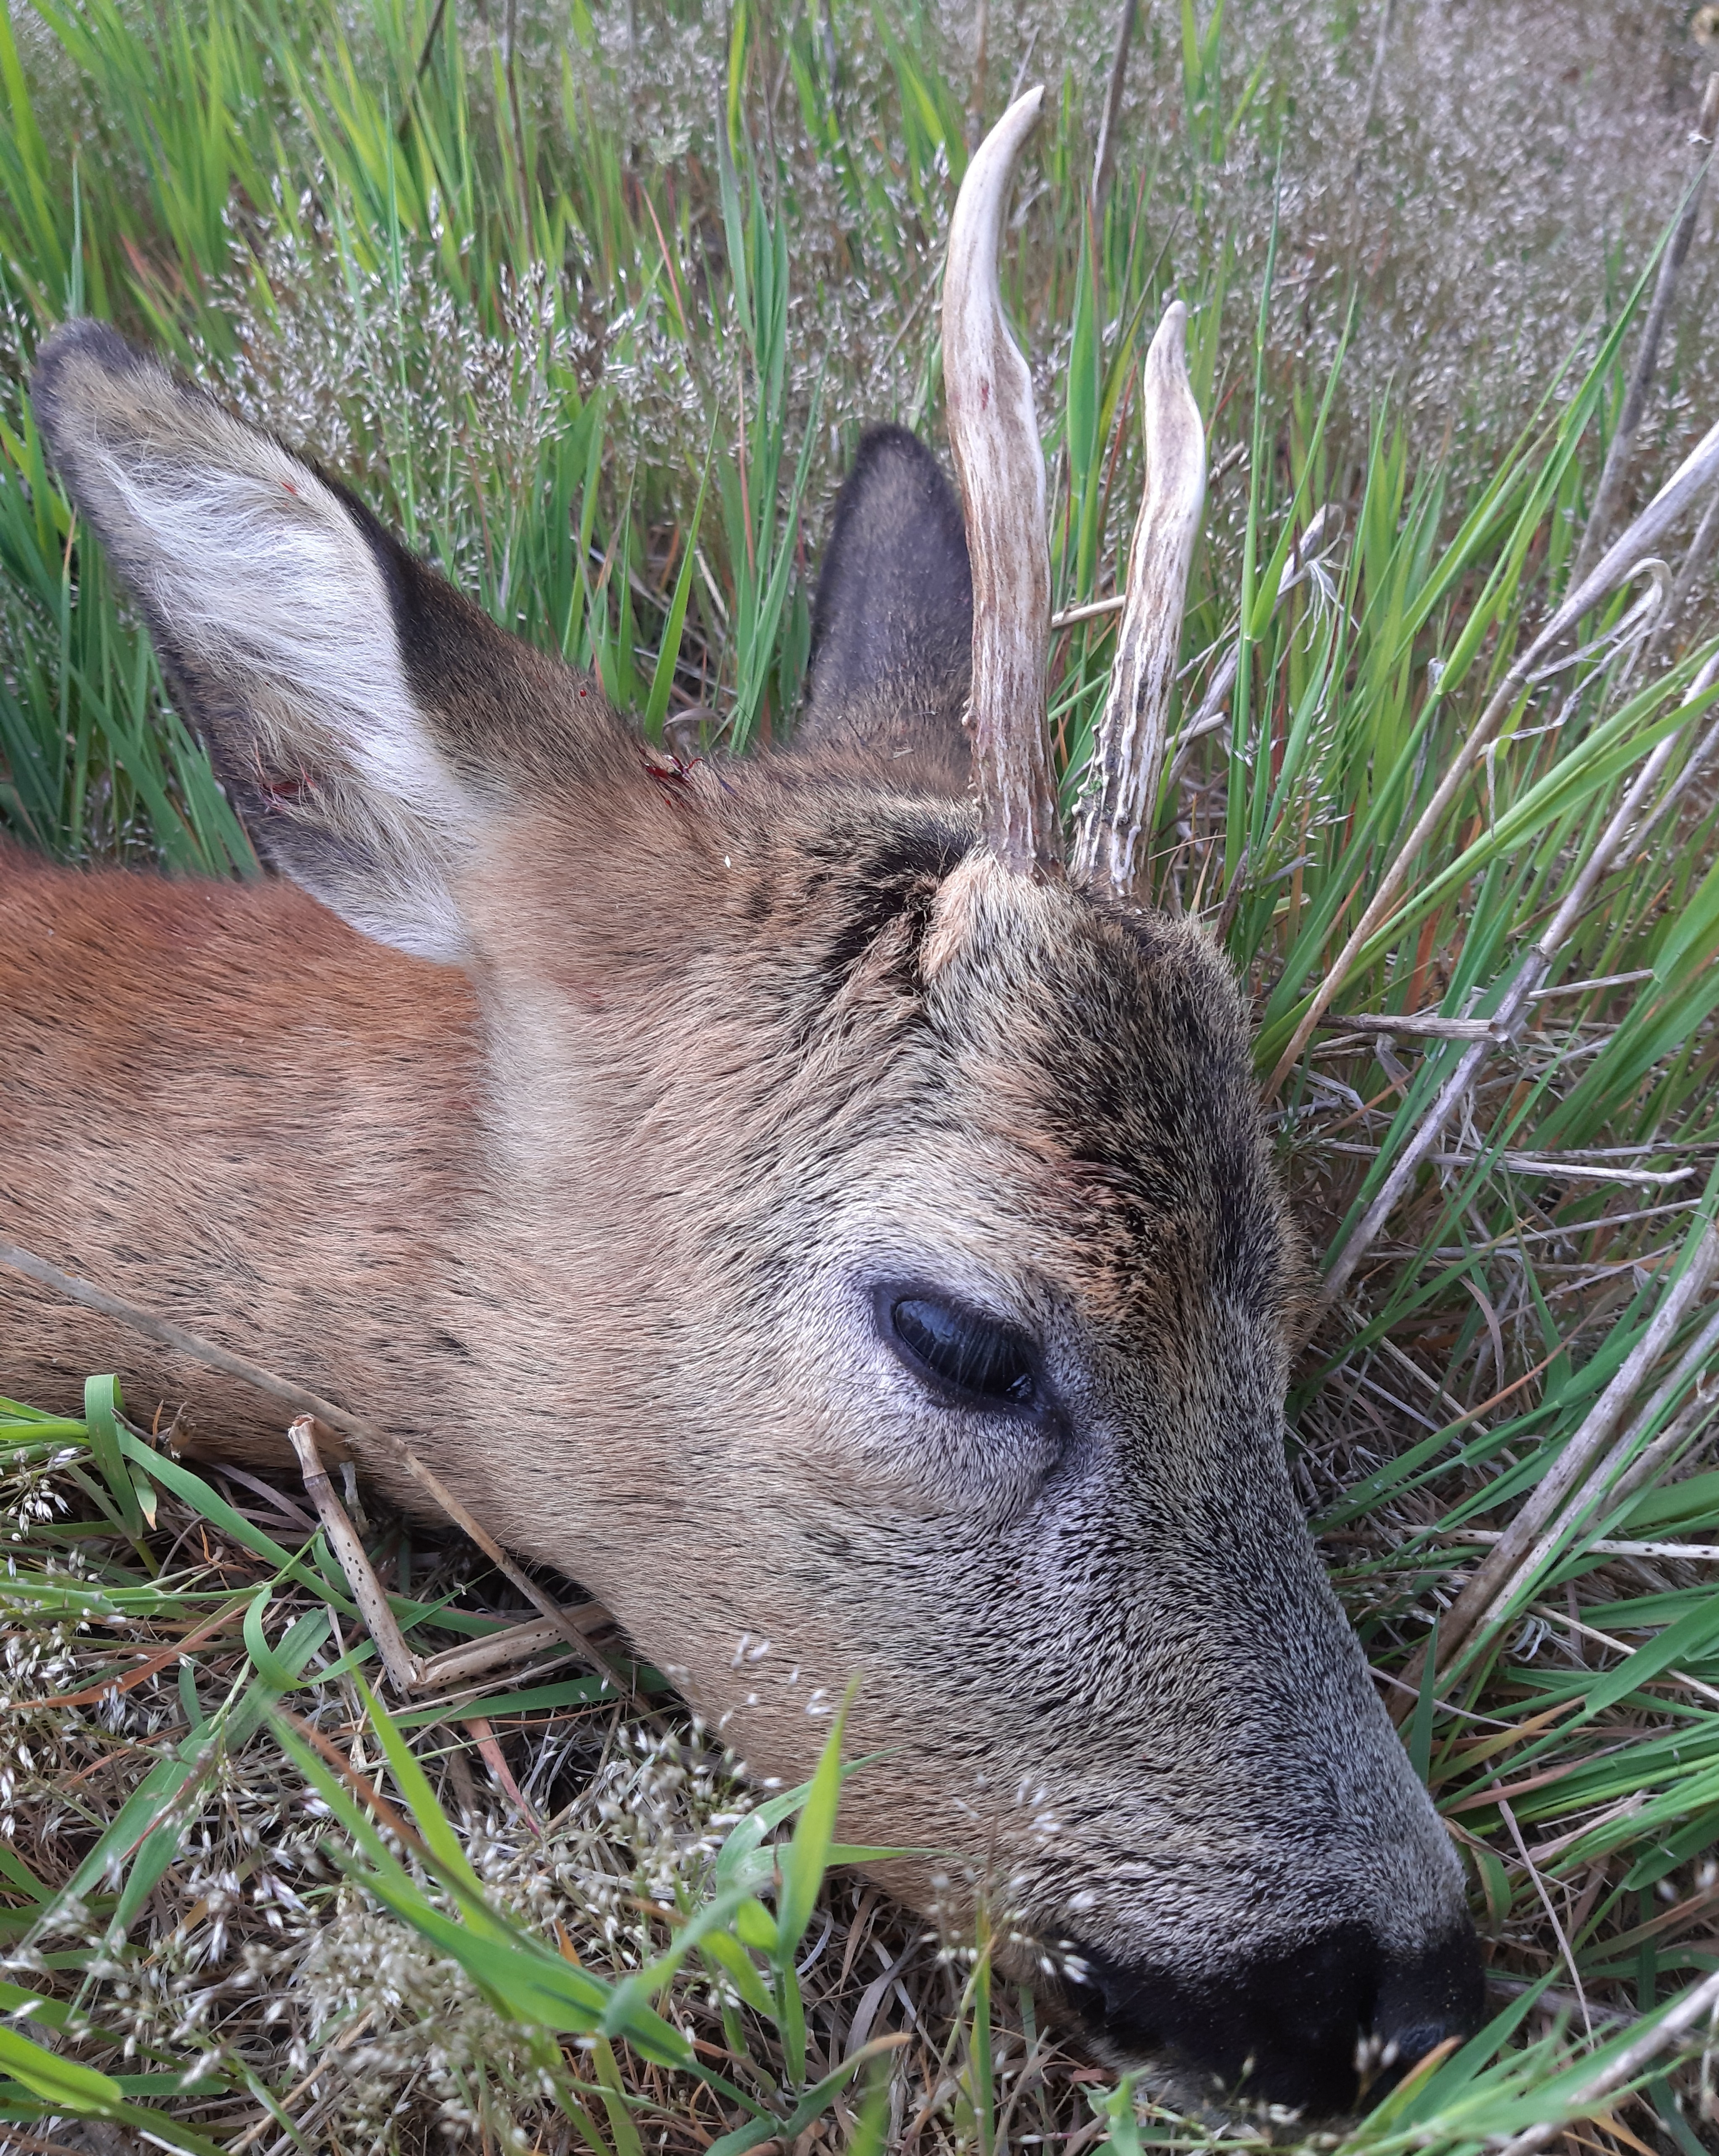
(86, 343)
(898, 518)
(890, 451)
(887, 440)
(892, 621)
(78, 352)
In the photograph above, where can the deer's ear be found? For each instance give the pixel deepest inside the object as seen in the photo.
(892, 625)
(365, 718)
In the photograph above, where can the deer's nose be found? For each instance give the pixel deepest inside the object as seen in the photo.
(1424, 2001)
(1321, 2025)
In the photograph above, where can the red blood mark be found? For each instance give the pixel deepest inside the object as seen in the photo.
(674, 777)
(579, 988)
(281, 793)
(985, 394)
(291, 488)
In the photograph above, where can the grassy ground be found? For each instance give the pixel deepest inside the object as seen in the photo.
(592, 306)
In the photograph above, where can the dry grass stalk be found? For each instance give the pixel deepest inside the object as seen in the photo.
(1412, 1024)
(1683, 1553)
(1701, 2004)
(1699, 553)
(1534, 1532)
(501, 1651)
(1647, 357)
(405, 1671)
(1093, 610)
(1621, 562)
(365, 1433)
(1621, 834)
(1104, 161)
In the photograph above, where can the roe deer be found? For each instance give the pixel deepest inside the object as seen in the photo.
(783, 1197)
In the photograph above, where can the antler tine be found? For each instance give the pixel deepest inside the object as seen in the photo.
(1120, 796)
(994, 432)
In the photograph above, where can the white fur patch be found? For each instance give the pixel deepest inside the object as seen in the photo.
(264, 579)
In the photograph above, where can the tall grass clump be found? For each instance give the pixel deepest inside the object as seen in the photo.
(592, 304)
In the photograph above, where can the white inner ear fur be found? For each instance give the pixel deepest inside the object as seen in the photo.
(264, 579)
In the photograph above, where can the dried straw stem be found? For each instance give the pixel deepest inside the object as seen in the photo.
(1699, 553)
(1647, 357)
(473, 1658)
(1682, 1552)
(1104, 163)
(1620, 562)
(1577, 1475)
(1511, 1014)
(405, 1671)
(1700, 2005)
(371, 1435)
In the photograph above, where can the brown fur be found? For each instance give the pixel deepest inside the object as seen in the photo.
(608, 1219)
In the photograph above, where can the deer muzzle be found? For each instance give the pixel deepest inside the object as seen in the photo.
(1324, 2026)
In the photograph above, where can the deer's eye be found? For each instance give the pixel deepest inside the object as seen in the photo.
(987, 1362)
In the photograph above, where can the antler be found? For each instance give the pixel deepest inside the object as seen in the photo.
(1120, 796)
(994, 432)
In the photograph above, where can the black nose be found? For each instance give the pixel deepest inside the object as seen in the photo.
(1300, 2025)
(1423, 2001)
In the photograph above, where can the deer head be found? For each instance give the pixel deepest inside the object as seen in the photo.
(854, 1249)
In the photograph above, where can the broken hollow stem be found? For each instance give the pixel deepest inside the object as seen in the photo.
(1620, 562)
(16, 1258)
(405, 1671)
(498, 1650)
(1619, 835)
